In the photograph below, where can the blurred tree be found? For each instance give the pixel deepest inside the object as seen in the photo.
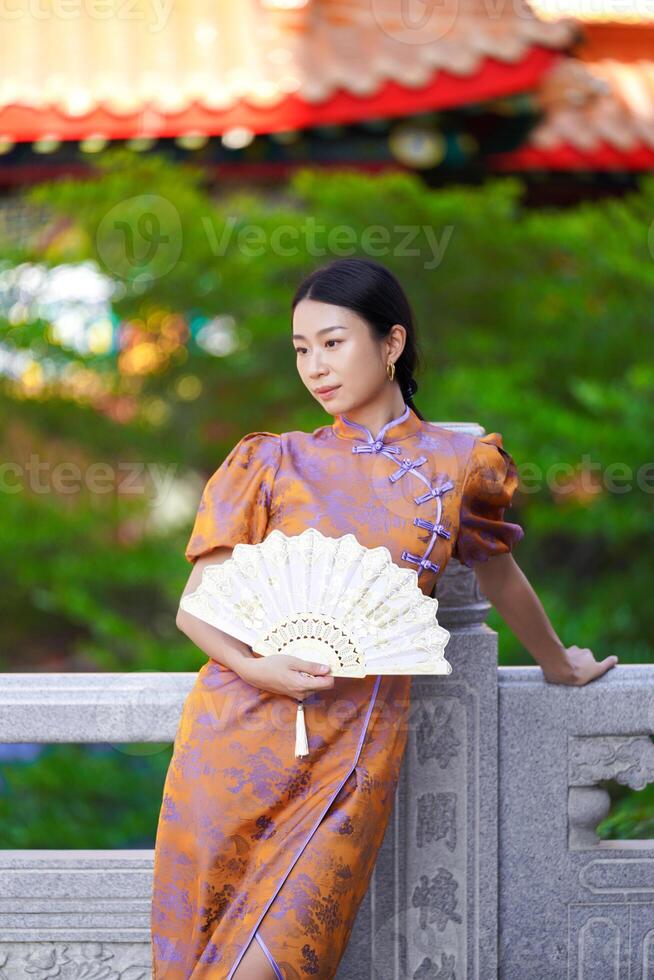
(534, 323)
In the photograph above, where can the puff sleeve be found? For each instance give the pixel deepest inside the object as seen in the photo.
(236, 500)
(490, 481)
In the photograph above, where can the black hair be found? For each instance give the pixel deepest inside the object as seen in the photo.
(371, 290)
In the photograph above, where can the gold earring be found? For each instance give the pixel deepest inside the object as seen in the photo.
(390, 370)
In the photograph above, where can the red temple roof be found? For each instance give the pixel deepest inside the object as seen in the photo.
(265, 65)
(598, 106)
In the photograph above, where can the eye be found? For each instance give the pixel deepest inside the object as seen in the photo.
(332, 341)
(300, 350)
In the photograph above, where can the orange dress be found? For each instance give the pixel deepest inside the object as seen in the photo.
(252, 841)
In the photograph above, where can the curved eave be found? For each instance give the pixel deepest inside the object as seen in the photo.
(563, 157)
(493, 79)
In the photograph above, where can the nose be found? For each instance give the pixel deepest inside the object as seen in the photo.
(316, 367)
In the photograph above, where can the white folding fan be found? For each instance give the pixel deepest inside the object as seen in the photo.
(329, 600)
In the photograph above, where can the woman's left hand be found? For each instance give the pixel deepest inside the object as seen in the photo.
(579, 667)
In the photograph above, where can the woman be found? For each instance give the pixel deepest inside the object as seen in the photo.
(262, 858)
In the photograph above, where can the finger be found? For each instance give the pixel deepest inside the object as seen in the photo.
(600, 667)
(316, 683)
(307, 666)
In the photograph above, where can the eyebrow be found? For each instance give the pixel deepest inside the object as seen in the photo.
(299, 336)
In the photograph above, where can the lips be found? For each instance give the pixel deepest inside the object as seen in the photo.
(325, 391)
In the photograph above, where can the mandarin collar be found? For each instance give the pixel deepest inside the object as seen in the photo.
(406, 424)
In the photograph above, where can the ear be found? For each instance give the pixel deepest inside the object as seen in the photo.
(396, 340)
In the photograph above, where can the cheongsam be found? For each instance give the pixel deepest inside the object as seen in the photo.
(256, 843)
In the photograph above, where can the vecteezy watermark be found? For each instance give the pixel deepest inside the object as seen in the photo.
(140, 239)
(419, 22)
(415, 21)
(565, 481)
(586, 478)
(155, 13)
(317, 240)
(130, 708)
(67, 478)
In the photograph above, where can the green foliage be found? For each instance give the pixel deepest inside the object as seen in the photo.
(632, 813)
(537, 324)
(60, 794)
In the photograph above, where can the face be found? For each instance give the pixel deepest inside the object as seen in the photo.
(335, 348)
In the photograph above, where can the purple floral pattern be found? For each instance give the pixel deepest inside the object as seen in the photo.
(250, 838)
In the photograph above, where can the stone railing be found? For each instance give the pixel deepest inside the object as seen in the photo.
(490, 865)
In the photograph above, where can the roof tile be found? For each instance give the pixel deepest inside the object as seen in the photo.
(226, 51)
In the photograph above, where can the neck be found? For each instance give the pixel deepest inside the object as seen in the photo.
(378, 414)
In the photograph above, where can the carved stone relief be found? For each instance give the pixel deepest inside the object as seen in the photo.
(75, 961)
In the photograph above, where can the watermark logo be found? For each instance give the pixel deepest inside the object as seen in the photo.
(154, 14)
(140, 239)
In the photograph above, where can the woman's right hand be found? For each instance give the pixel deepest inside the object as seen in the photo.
(280, 673)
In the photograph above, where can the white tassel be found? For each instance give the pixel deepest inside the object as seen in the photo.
(301, 743)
